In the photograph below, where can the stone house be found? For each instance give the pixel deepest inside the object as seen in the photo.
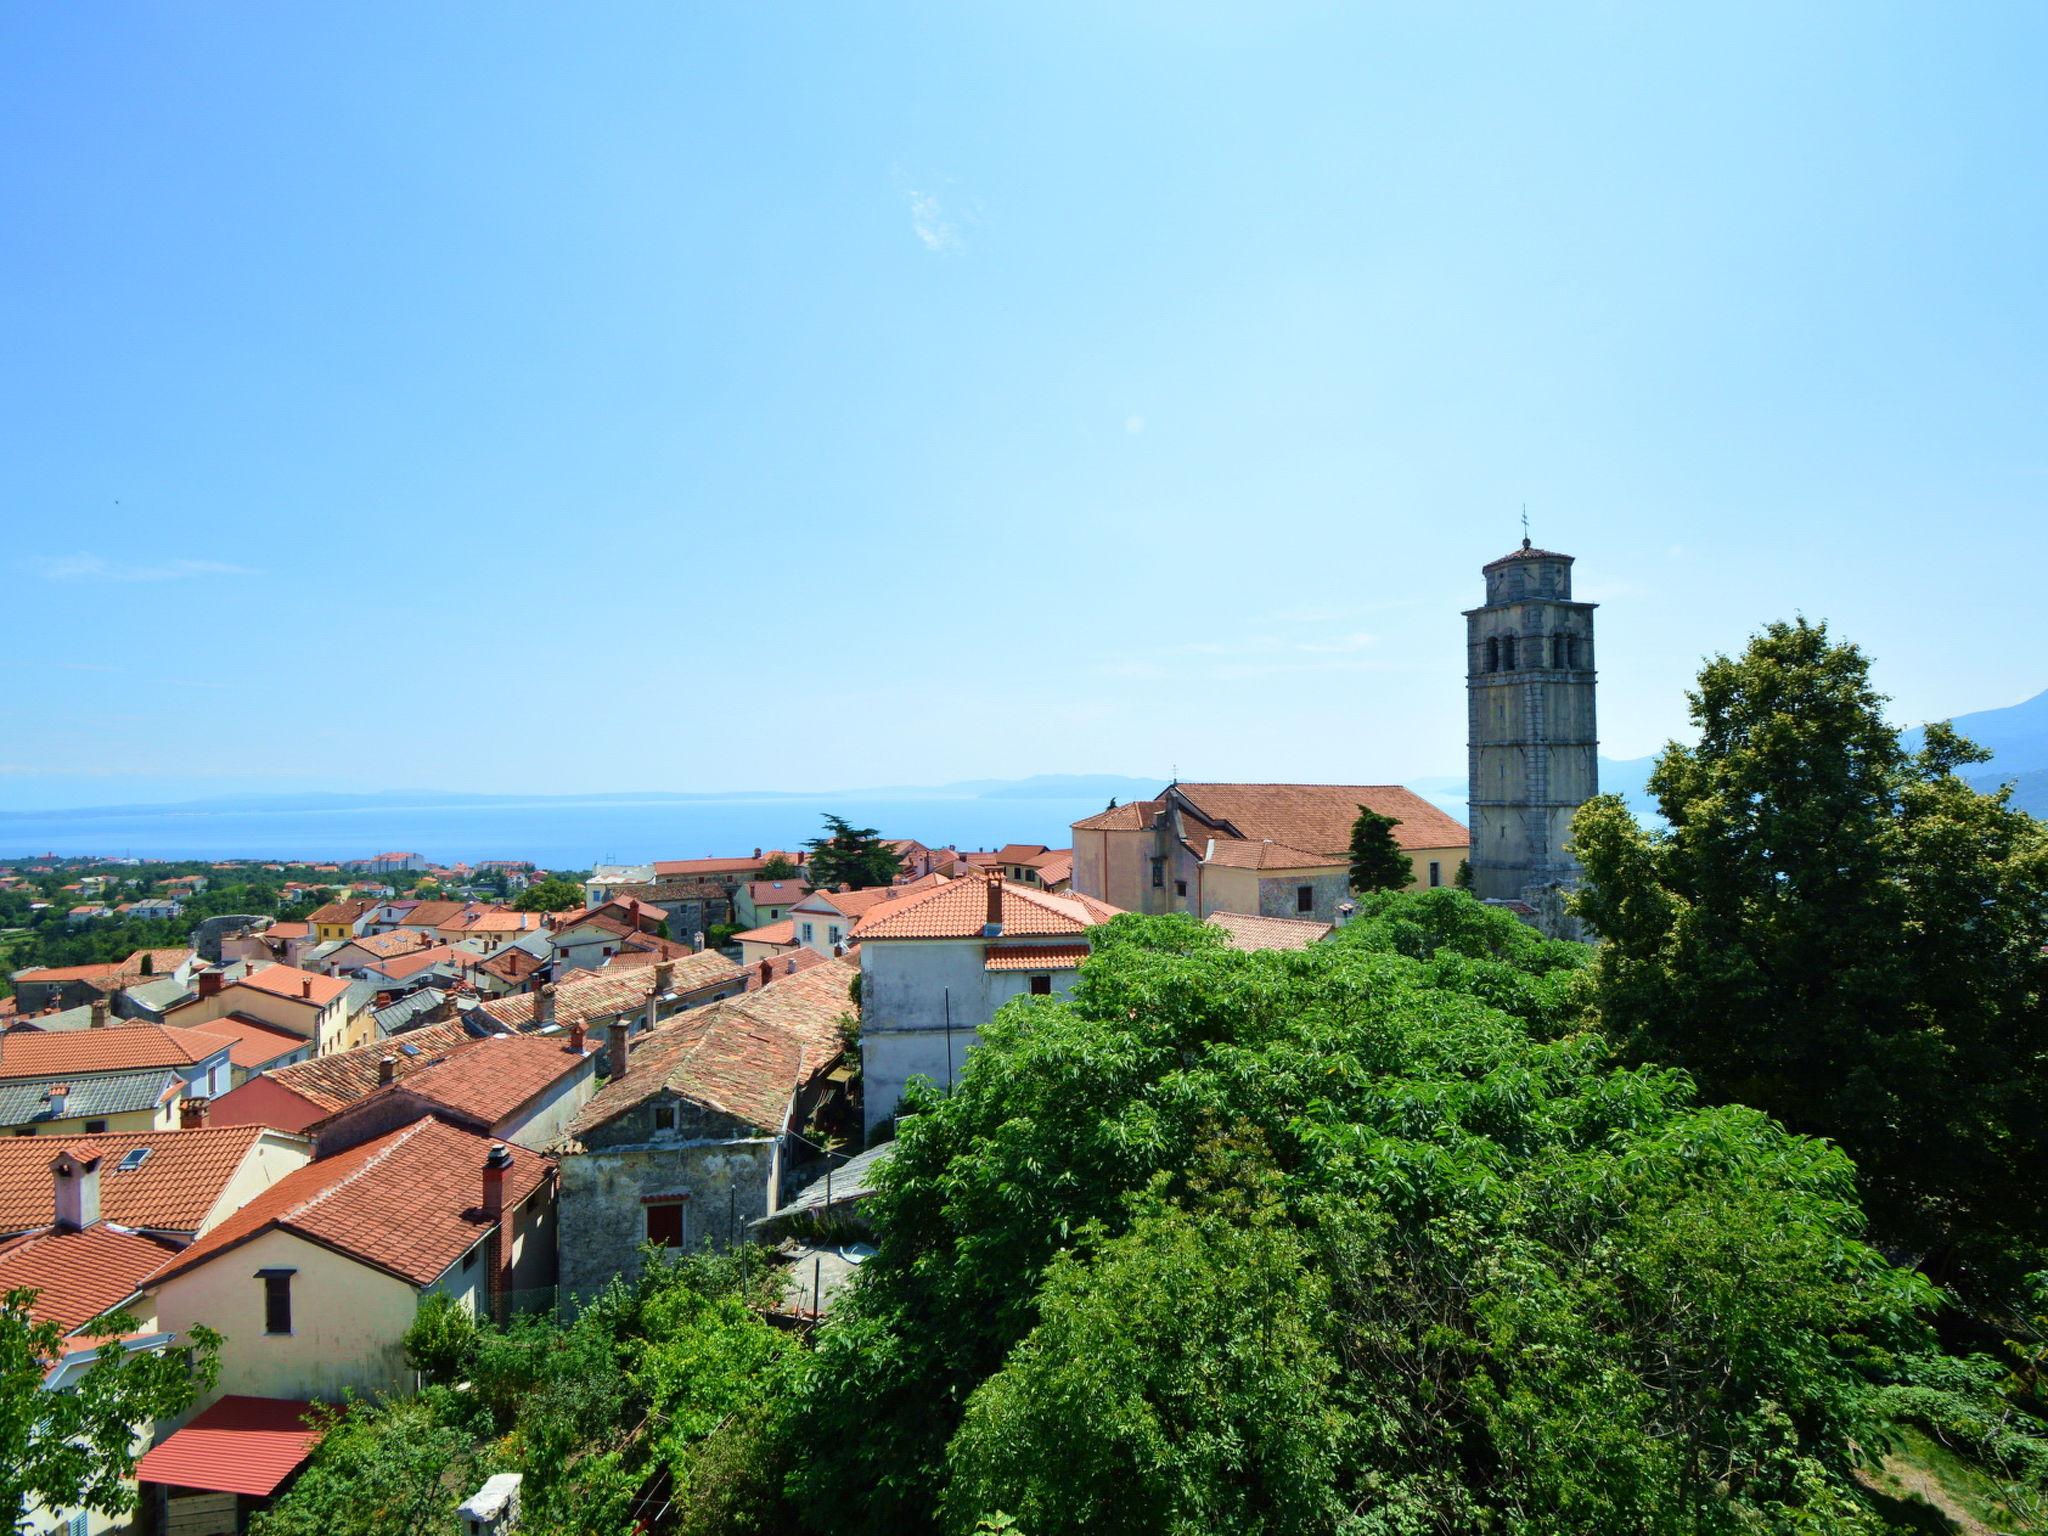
(935, 967)
(694, 1133)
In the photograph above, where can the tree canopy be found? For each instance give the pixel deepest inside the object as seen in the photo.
(851, 856)
(550, 895)
(1377, 862)
(780, 867)
(1373, 1237)
(75, 1448)
(1846, 935)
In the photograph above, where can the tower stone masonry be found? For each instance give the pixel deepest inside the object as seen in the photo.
(1533, 746)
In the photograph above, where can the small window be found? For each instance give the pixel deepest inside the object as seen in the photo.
(1041, 986)
(1305, 898)
(807, 933)
(665, 1225)
(277, 1299)
(1507, 652)
(1180, 887)
(133, 1159)
(1436, 873)
(1158, 874)
(1493, 653)
(95, 1127)
(832, 933)
(664, 1117)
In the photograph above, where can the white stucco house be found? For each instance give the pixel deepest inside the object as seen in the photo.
(935, 967)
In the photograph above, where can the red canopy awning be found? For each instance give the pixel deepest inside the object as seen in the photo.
(239, 1445)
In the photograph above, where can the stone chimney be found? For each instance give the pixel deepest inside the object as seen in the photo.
(209, 983)
(993, 927)
(387, 1071)
(664, 976)
(192, 1113)
(76, 1174)
(99, 1013)
(544, 1005)
(615, 1064)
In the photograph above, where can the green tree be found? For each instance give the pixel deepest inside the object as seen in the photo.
(1491, 1280)
(76, 1448)
(851, 856)
(1463, 878)
(1845, 935)
(1377, 862)
(549, 895)
(386, 1469)
(779, 867)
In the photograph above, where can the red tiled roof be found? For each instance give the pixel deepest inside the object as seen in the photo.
(1131, 816)
(408, 1203)
(721, 866)
(1249, 931)
(1057, 867)
(1237, 853)
(1036, 957)
(491, 1078)
(78, 1275)
(291, 930)
(958, 909)
(117, 1048)
(855, 903)
(1318, 817)
(593, 997)
(792, 962)
(251, 1042)
(1526, 552)
(783, 932)
(173, 1189)
(398, 941)
(345, 1076)
(410, 963)
(1020, 853)
(776, 893)
(340, 911)
(239, 1445)
(288, 981)
(111, 975)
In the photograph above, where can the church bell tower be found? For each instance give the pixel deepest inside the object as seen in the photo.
(1533, 750)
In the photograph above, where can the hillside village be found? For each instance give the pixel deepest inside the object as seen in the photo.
(293, 1130)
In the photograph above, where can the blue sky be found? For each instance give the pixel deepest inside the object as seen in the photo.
(521, 397)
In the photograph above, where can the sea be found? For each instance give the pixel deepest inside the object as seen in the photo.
(553, 832)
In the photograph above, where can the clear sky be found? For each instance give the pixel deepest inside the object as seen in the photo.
(562, 397)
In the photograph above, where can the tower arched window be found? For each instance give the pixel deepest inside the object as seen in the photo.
(1560, 651)
(1493, 653)
(1507, 652)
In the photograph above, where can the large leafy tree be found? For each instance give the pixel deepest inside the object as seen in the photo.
(851, 856)
(1844, 934)
(550, 895)
(75, 1448)
(1367, 1237)
(1377, 862)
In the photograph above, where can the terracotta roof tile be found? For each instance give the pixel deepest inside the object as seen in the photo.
(117, 1048)
(1036, 957)
(1526, 552)
(1318, 817)
(332, 1081)
(252, 1044)
(1249, 931)
(1058, 867)
(489, 1079)
(1237, 853)
(246, 1445)
(958, 909)
(79, 1275)
(776, 893)
(173, 1189)
(340, 911)
(288, 981)
(409, 1203)
(1131, 816)
(783, 932)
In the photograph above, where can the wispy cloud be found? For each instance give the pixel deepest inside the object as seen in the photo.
(91, 567)
(937, 217)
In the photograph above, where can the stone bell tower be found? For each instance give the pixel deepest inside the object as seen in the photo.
(1532, 744)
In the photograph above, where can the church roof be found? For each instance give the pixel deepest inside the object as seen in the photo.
(1526, 552)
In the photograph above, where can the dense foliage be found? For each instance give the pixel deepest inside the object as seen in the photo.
(1377, 862)
(1372, 1237)
(846, 855)
(1848, 937)
(652, 1386)
(76, 1448)
(549, 895)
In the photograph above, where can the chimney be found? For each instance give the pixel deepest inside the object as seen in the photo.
(60, 1100)
(789, 966)
(767, 972)
(994, 925)
(544, 1005)
(306, 987)
(616, 1063)
(192, 1113)
(209, 983)
(99, 1013)
(387, 1071)
(498, 1163)
(76, 1173)
(576, 1038)
(664, 976)
(697, 941)
(757, 853)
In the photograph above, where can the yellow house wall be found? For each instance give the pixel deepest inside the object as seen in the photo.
(1448, 858)
(274, 1155)
(348, 1321)
(162, 1118)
